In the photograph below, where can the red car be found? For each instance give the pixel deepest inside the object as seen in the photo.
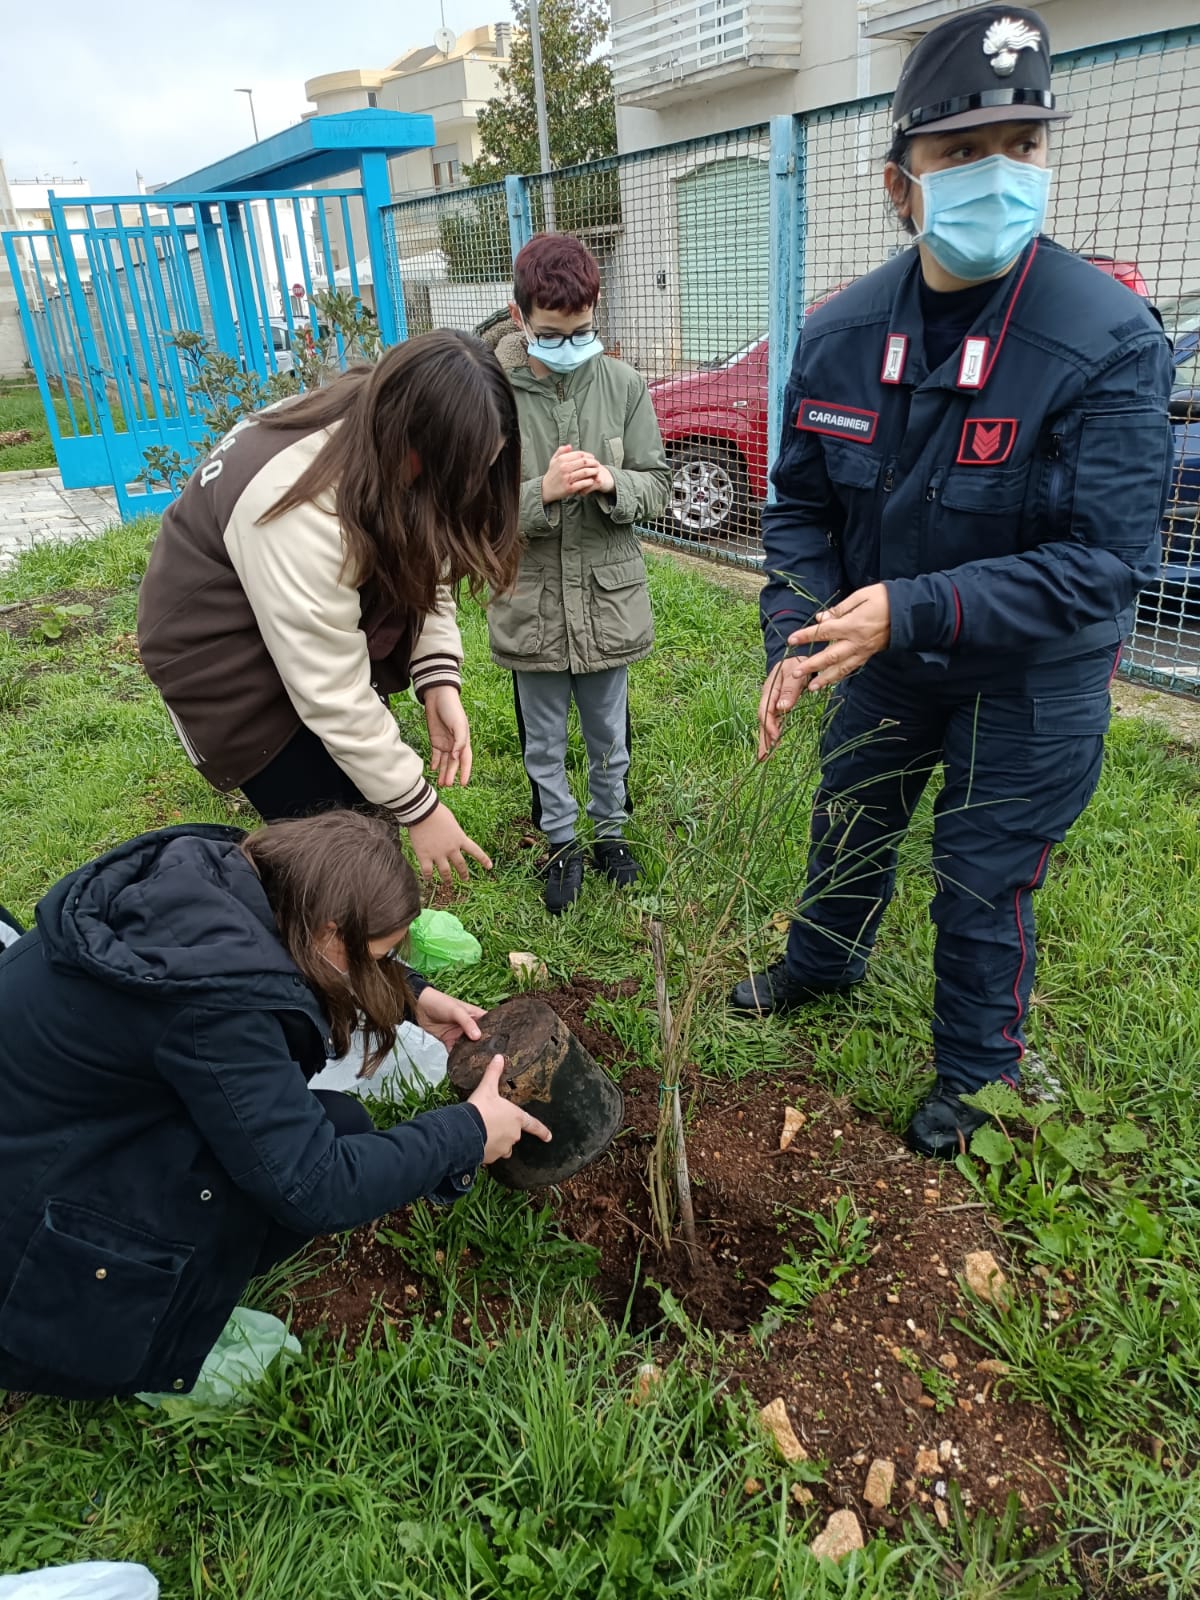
(714, 425)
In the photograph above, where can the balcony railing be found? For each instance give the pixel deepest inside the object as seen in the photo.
(666, 46)
(892, 18)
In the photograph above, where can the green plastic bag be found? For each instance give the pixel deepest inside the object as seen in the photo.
(248, 1344)
(439, 940)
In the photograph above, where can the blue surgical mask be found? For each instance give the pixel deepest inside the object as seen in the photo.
(979, 217)
(567, 357)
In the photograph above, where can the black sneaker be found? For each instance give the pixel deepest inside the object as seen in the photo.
(943, 1125)
(563, 873)
(773, 992)
(616, 861)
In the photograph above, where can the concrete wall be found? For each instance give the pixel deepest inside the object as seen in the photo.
(12, 345)
(465, 305)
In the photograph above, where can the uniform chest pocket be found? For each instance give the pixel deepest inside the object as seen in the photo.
(854, 473)
(980, 515)
(850, 468)
(988, 491)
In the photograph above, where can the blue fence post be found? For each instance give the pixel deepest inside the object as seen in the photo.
(251, 325)
(37, 354)
(520, 216)
(97, 376)
(216, 278)
(788, 230)
(381, 246)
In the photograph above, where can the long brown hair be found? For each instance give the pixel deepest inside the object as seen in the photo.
(442, 400)
(345, 868)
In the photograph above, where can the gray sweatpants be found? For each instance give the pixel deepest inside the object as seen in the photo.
(543, 701)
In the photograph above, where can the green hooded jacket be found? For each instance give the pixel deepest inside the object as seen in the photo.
(580, 602)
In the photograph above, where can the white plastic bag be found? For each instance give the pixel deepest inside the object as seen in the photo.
(83, 1580)
(246, 1347)
(417, 1061)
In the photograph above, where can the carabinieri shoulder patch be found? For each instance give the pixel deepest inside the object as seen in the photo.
(843, 422)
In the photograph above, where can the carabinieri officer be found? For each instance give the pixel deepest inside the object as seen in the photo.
(970, 483)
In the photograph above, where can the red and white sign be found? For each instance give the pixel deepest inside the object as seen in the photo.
(297, 291)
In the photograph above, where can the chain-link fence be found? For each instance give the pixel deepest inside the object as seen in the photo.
(683, 236)
(453, 255)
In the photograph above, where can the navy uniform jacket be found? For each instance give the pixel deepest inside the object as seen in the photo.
(1010, 499)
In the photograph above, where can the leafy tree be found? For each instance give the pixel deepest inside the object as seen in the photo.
(580, 109)
(223, 389)
(474, 239)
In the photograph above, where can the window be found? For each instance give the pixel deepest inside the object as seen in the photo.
(286, 240)
(447, 168)
(372, 98)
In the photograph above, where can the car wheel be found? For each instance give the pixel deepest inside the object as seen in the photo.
(710, 493)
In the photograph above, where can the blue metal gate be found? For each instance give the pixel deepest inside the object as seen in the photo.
(233, 254)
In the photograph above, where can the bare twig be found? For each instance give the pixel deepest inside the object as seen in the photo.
(670, 1122)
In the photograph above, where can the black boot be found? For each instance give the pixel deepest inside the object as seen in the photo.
(563, 873)
(772, 992)
(943, 1125)
(616, 861)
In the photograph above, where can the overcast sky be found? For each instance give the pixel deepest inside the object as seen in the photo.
(101, 91)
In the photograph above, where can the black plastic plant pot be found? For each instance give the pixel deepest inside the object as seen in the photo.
(549, 1074)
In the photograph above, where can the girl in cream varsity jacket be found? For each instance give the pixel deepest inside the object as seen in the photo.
(307, 571)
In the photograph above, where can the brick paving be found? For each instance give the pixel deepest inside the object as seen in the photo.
(35, 508)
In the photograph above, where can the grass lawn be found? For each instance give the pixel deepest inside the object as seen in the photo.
(505, 1458)
(21, 407)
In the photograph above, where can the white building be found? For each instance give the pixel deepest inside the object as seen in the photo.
(683, 68)
(452, 87)
(25, 204)
(691, 266)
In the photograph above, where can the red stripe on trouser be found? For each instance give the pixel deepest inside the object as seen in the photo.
(1019, 1013)
(1115, 665)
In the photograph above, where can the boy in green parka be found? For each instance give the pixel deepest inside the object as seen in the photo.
(592, 468)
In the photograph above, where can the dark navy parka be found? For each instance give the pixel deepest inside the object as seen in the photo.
(155, 1119)
(1013, 522)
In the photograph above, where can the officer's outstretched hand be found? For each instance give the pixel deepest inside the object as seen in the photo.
(848, 634)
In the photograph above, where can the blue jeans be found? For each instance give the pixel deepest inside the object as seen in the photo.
(1021, 762)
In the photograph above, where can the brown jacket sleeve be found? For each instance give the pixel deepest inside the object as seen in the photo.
(307, 609)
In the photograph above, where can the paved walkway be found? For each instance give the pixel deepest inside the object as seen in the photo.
(34, 507)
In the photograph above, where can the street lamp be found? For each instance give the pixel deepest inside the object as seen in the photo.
(539, 100)
(249, 93)
(539, 85)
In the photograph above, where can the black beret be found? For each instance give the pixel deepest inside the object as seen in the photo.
(988, 65)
